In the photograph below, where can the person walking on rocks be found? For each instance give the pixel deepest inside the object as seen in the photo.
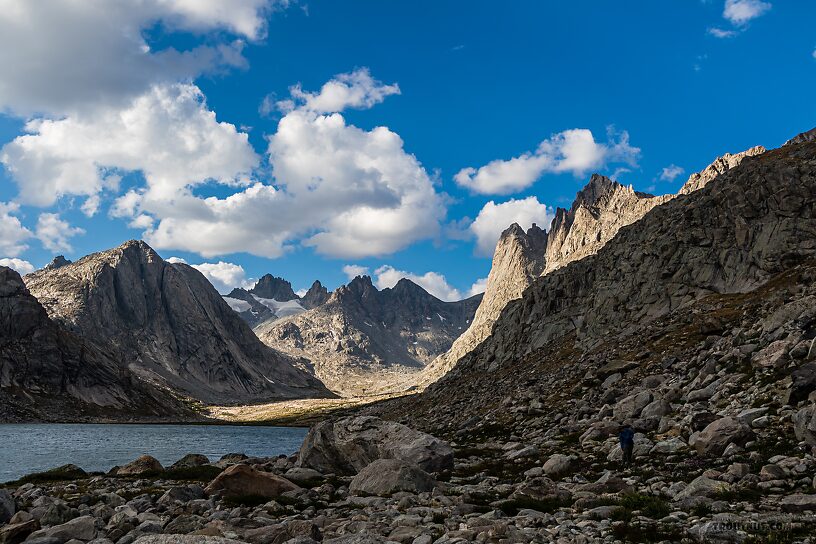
(627, 443)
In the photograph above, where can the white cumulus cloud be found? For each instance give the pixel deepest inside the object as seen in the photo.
(671, 172)
(224, 276)
(345, 191)
(573, 150)
(62, 56)
(355, 89)
(21, 266)
(387, 276)
(493, 219)
(353, 270)
(740, 12)
(13, 234)
(477, 288)
(167, 134)
(55, 233)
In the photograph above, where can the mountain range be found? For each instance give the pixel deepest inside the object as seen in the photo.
(596, 216)
(366, 341)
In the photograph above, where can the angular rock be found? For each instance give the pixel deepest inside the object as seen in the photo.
(142, 465)
(559, 464)
(7, 506)
(799, 502)
(81, 528)
(243, 480)
(348, 445)
(384, 477)
(191, 460)
(717, 435)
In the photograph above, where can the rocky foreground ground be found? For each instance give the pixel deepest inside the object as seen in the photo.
(366, 480)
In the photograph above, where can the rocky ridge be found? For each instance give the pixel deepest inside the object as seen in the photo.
(364, 341)
(170, 324)
(599, 211)
(601, 208)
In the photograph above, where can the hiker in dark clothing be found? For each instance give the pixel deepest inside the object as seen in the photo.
(627, 444)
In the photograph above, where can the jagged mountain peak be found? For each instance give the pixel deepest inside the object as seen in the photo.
(273, 287)
(364, 340)
(315, 296)
(597, 188)
(57, 262)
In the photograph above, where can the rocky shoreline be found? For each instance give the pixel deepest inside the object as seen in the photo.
(363, 480)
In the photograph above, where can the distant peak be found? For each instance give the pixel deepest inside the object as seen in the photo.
(597, 187)
(57, 262)
(273, 287)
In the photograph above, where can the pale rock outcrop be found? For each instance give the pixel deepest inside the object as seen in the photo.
(721, 165)
(518, 260)
(348, 445)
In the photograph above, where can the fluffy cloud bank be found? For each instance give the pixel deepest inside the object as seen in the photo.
(494, 218)
(21, 266)
(574, 151)
(345, 191)
(64, 57)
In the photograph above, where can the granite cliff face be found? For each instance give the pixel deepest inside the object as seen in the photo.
(599, 211)
(364, 341)
(47, 373)
(170, 325)
(596, 216)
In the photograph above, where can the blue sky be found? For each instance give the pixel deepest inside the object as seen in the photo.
(146, 121)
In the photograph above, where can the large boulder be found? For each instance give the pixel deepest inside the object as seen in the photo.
(348, 445)
(243, 480)
(143, 465)
(191, 460)
(702, 486)
(803, 383)
(7, 506)
(385, 477)
(81, 528)
(804, 424)
(17, 532)
(631, 406)
(559, 464)
(799, 502)
(290, 531)
(717, 435)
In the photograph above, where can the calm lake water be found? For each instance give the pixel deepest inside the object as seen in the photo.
(34, 448)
